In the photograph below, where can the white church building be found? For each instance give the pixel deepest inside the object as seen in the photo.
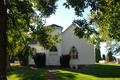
(80, 51)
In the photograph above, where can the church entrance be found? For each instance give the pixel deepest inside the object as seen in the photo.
(53, 59)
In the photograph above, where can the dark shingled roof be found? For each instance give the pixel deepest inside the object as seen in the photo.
(33, 42)
(54, 25)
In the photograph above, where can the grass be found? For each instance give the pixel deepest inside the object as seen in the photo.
(27, 73)
(102, 72)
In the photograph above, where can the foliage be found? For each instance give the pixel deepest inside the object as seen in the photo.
(109, 56)
(40, 59)
(12, 58)
(20, 22)
(103, 56)
(26, 23)
(103, 24)
(53, 48)
(23, 22)
(23, 52)
(113, 46)
(50, 40)
(97, 55)
(64, 60)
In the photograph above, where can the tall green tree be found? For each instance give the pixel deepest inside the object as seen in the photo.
(103, 56)
(3, 39)
(97, 55)
(109, 56)
(17, 17)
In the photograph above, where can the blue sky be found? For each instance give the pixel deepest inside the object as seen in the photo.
(64, 17)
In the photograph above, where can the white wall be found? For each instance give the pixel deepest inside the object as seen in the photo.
(85, 50)
(39, 49)
(58, 30)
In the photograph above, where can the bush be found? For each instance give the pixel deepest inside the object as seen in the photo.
(39, 59)
(23, 58)
(23, 52)
(64, 60)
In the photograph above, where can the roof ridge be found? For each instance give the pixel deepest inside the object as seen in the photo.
(55, 25)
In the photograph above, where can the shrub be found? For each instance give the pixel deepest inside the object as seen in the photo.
(23, 59)
(39, 59)
(23, 52)
(23, 56)
(64, 60)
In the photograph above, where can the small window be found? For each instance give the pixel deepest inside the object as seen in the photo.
(73, 53)
(53, 49)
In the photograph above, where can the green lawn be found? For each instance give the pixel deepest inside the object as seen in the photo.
(102, 72)
(27, 73)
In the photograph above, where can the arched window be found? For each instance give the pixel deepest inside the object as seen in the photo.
(53, 49)
(73, 53)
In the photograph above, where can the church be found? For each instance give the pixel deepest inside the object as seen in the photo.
(80, 51)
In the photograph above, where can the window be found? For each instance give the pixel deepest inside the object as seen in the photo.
(73, 53)
(53, 49)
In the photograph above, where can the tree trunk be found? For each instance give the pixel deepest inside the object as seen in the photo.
(3, 39)
(8, 63)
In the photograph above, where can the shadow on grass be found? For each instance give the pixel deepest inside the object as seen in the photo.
(102, 71)
(27, 73)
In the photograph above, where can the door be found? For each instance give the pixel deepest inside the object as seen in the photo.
(53, 59)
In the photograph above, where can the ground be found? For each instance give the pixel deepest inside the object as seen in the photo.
(101, 72)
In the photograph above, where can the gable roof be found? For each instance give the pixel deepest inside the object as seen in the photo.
(68, 28)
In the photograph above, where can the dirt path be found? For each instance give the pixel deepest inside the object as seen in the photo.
(52, 75)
